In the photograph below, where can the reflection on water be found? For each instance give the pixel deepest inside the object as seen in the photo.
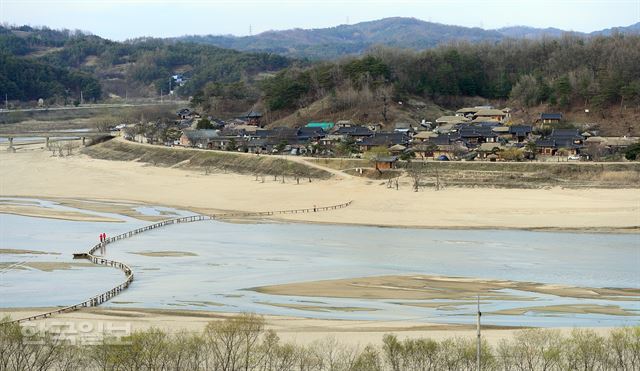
(227, 260)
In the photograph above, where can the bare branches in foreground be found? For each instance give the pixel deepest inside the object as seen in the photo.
(242, 343)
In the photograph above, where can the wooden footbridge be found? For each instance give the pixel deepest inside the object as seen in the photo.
(99, 259)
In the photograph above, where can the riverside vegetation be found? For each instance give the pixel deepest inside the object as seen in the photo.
(242, 342)
(460, 174)
(208, 161)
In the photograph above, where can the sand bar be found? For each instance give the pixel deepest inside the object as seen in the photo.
(44, 212)
(46, 266)
(81, 177)
(423, 287)
(26, 252)
(166, 254)
(612, 310)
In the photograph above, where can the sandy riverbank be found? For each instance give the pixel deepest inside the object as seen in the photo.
(425, 287)
(40, 212)
(32, 172)
(293, 329)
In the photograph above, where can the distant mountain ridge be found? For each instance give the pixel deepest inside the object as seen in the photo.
(412, 33)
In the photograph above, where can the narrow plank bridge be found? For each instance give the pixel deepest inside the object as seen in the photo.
(98, 259)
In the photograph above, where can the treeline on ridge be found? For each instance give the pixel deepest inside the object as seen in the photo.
(149, 62)
(597, 72)
(571, 71)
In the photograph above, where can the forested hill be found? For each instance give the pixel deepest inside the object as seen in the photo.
(58, 65)
(572, 72)
(333, 42)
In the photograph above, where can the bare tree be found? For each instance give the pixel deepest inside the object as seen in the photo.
(69, 146)
(438, 185)
(104, 124)
(415, 170)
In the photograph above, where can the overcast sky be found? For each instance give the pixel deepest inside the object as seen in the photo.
(123, 19)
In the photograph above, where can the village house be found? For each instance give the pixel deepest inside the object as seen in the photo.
(296, 140)
(446, 128)
(449, 145)
(228, 142)
(253, 118)
(186, 113)
(475, 135)
(423, 150)
(550, 118)
(397, 149)
(561, 142)
(259, 145)
(234, 131)
(356, 132)
(487, 149)
(507, 114)
(467, 112)
(242, 129)
(487, 115)
(382, 139)
(310, 134)
(520, 133)
(215, 123)
(503, 133)
(451, 151)
(611, 145)
(403, 127)
(198, 138)
(451, 120)
(424, 136)
(331, 140)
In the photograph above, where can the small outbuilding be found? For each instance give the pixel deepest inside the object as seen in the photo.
(386, 162)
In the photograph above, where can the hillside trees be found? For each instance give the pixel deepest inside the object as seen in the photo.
(25, 79)
(140, 63)
(593, 72)
(289, 88)
(597, 72)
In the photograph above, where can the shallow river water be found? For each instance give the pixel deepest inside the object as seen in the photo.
(226, 260)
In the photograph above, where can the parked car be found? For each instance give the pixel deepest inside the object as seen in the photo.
(573, 158)
(443, 158)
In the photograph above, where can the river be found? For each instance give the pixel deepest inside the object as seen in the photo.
(218, 263)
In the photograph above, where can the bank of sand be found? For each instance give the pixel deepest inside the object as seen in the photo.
(289, 329)
(428, 287)
(32, 172)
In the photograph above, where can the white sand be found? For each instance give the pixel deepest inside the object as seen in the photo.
(36, 174)
(291, 329)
